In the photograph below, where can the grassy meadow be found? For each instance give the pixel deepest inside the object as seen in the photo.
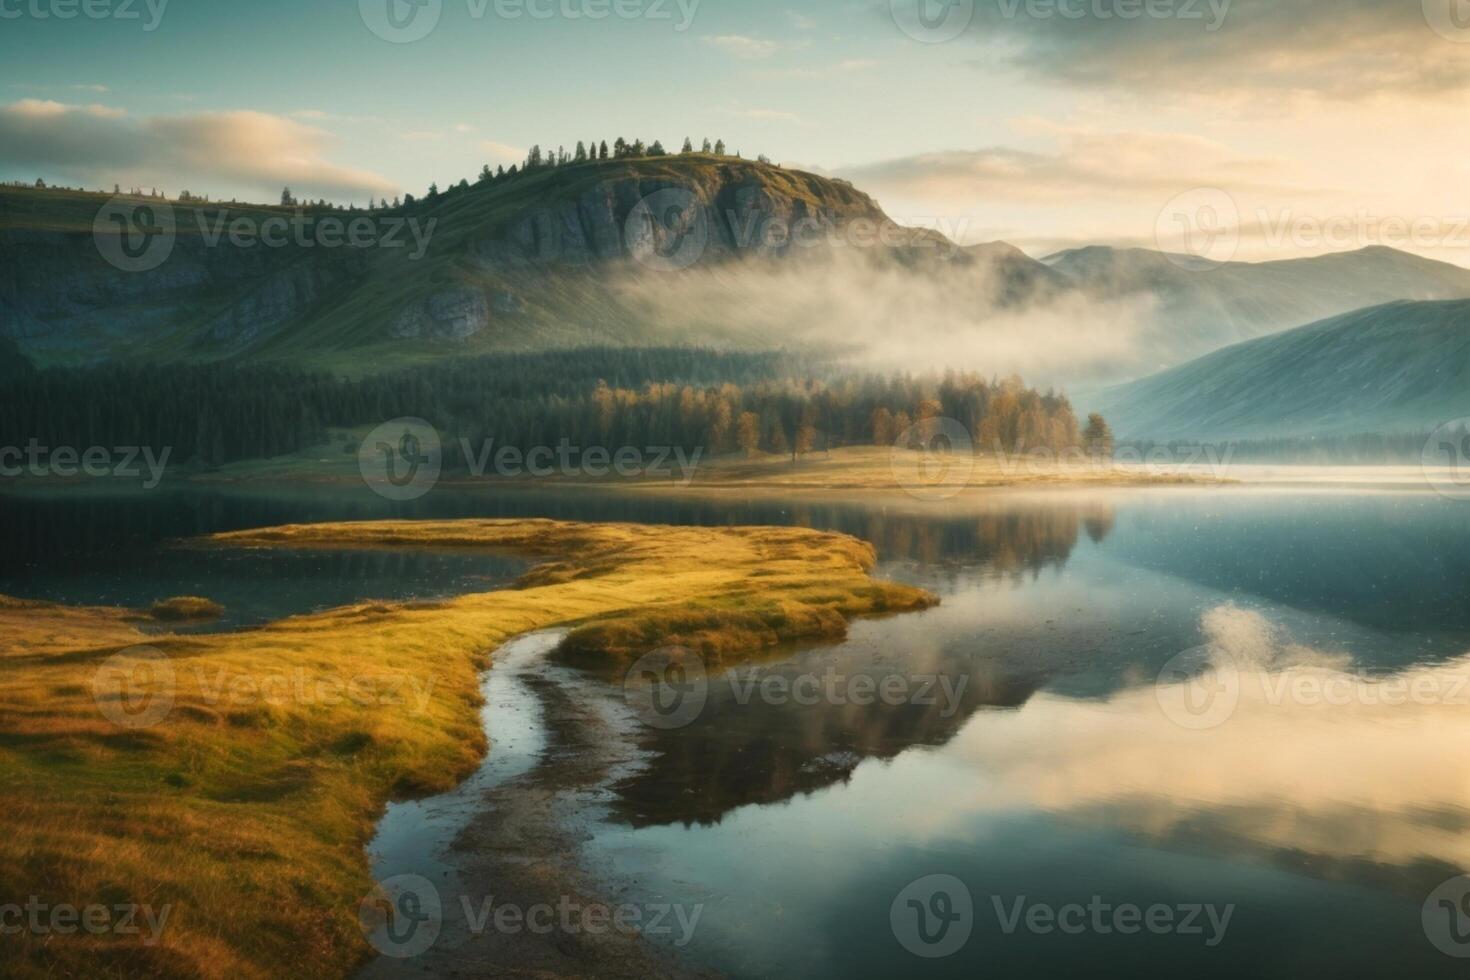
(230, 782)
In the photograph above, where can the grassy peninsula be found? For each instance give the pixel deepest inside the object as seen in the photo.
(231, 782)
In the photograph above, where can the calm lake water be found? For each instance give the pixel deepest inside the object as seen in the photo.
(1282, 802)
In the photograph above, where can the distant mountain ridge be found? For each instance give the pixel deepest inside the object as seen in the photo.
(688, 248)
(1204, 305)
(1395, 368)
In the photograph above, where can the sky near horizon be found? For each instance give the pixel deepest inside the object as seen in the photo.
(1297, 126)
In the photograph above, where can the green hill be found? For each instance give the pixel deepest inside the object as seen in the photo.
(1397, 368)
(686, 249)
(527, 262)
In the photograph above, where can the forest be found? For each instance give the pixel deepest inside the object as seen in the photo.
(717, 402)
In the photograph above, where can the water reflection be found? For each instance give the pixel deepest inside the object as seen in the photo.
(66, 527)
(1291, 750)
(1324, 804)
(1057, 772)
(797, 724)
(86, 547)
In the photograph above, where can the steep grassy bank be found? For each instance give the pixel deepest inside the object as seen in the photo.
(229, 782)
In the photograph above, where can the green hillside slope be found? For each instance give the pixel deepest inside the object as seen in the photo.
(1400, 367)
(1203, 306)
(530, 262)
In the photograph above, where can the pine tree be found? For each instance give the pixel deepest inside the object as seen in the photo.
(485, 174)
(1098, 436)
(581, 156)
(719, 148)
(602, 151)
(688, 146)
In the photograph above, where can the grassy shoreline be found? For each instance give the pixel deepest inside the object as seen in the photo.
(244, 807)
(846, 471)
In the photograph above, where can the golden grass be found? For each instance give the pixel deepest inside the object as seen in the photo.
(844, 472)
(245, 808)
(903, 472)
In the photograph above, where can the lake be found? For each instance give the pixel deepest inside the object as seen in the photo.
(1212, 731)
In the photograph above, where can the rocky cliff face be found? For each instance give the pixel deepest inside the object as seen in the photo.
(706, 215)
(493, 261)
(59, 296)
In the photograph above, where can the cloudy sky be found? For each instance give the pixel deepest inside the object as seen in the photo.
(1281, 127)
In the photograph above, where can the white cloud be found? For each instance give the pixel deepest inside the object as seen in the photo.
(49, 109)
(1345, 49)
(1088, 165)
(241, 152)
